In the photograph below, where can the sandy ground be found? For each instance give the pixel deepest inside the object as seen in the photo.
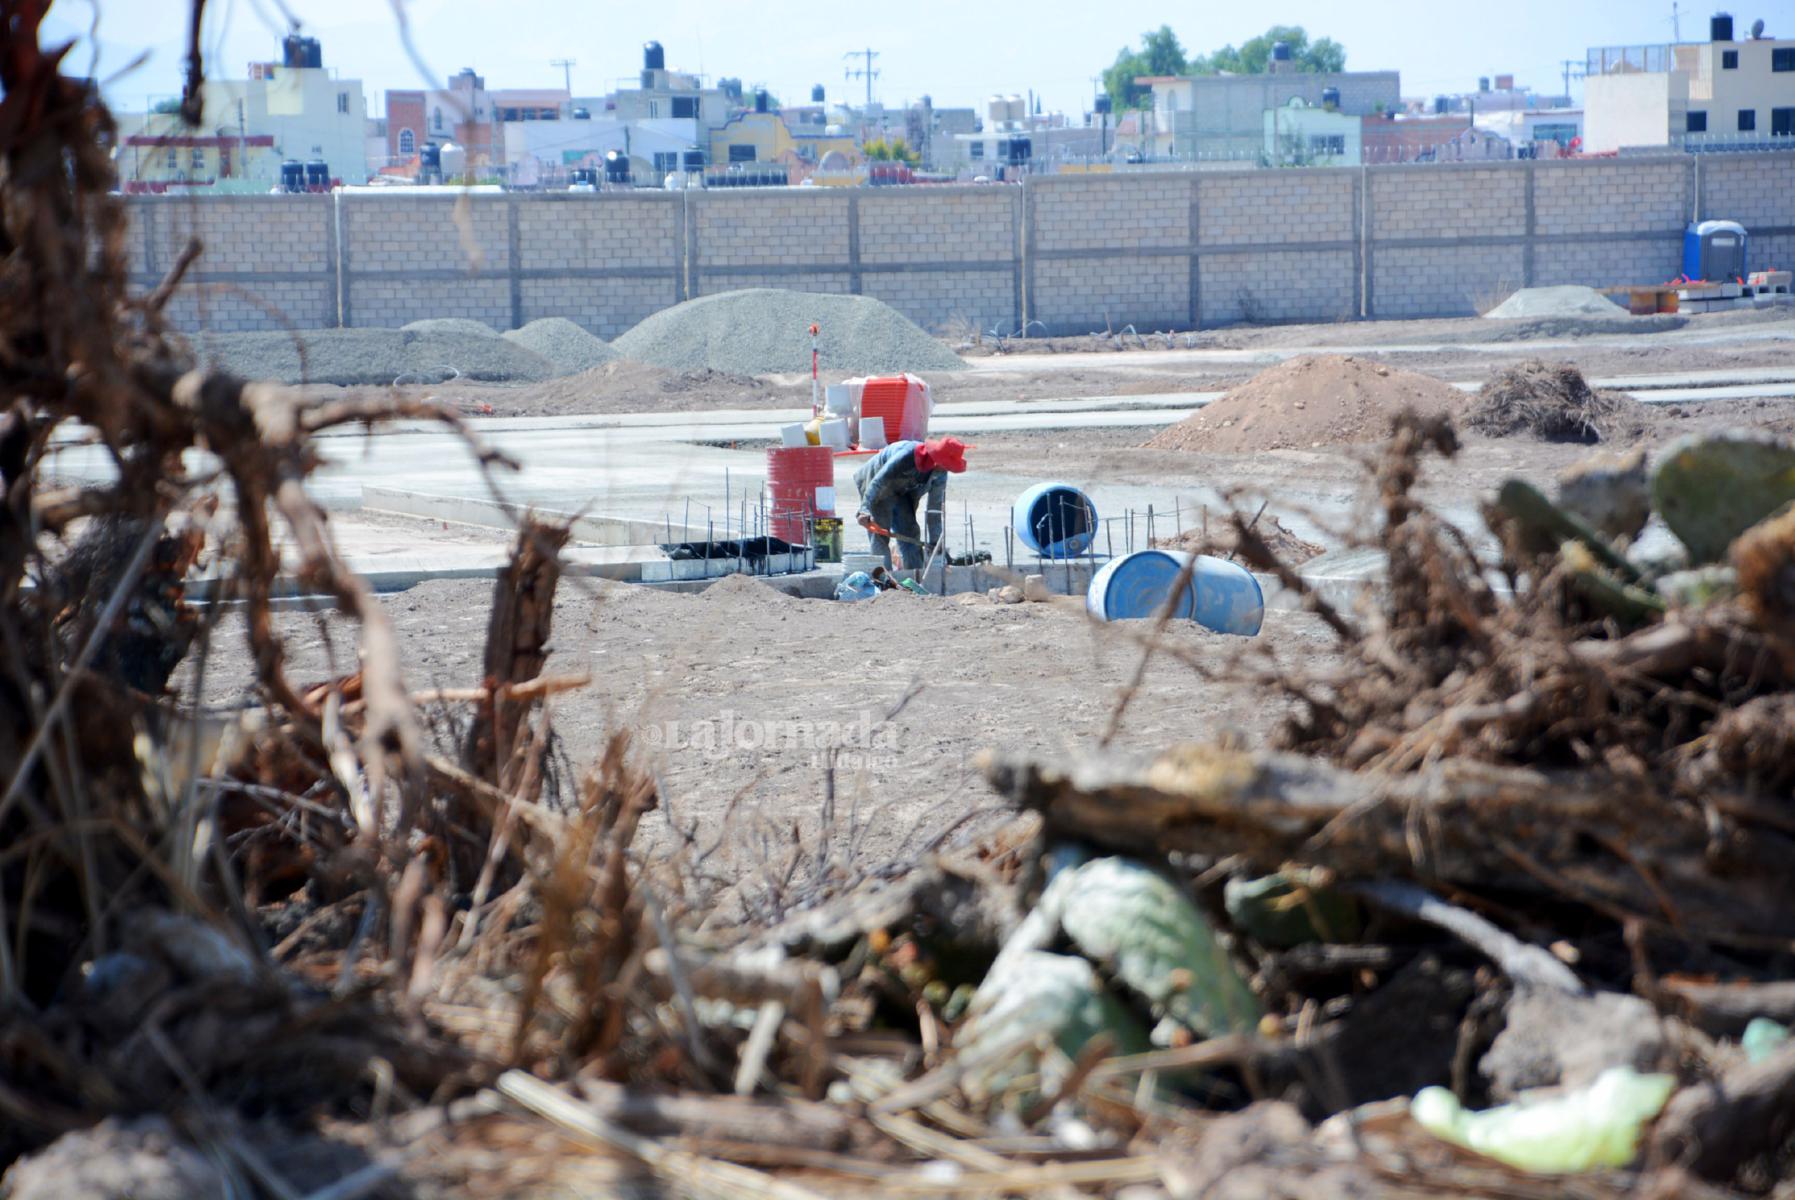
(738, 694)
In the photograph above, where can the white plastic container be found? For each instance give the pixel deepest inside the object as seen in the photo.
(792, 435)
(872, 435)
(834, 434)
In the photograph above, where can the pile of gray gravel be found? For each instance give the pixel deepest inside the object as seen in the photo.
(566, 345)
(373, 356)
(461, 326)
(764, 331)
(1569, 300)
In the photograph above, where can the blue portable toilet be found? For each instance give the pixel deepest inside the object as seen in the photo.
(1055, 520)
(1714, 251)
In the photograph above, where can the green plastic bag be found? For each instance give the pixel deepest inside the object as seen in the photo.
(1594, 1127)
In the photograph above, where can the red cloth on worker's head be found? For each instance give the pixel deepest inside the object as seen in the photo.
(944, 454)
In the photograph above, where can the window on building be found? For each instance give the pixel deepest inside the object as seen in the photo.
(436, 120)
(654, 109)
(174, 159)
(1748, 120)
(1695, 122)
(977, 149)
(408, 142)
(739, 154)
(224, 162)
(342, 102)
(1782, 122)
(1729, 60)
(665, 161)
(1783, 59)
(685, 106)
(1561, 133)
(1328, 144)
(199, 158)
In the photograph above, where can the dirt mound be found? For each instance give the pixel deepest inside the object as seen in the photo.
(1291, 549)
(1319, 400)
(1552, 402)
(732, 589)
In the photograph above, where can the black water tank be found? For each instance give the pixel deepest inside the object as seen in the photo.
(616, 167)
(1483, 83)
(1442, 105)
(1280, 51)
(816, 94)
(1720, 27)
(1103, 104)
(653, 57)
(292, 176)
(582, 113)
(1330, 97)
(694, 160)
(299, 51)
(761, 100)
(317, 175)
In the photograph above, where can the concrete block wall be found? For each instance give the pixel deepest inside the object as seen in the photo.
(1758, 191)
(1071, 254)
(945, 257)
(266, 262)
(603, 261)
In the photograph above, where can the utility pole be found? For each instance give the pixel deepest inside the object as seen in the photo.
(868, 72)
(1570, 64)
(1676, 22)
(567, 65)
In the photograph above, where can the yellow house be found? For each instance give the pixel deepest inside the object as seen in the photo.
(764, 137)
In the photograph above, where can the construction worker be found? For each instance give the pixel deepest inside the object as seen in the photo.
(894, 482)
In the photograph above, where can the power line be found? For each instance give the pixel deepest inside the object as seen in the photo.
(567, 65)
(868, 72)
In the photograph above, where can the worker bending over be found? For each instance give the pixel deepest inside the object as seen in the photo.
(895, 481)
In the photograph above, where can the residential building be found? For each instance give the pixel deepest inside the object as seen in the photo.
(1306, 135)
(672, 96)
(762, 136)
(1223, 116)
(1405, 138)
(1694, 95)
(291, 109)
(468, 115)
(1552, 132)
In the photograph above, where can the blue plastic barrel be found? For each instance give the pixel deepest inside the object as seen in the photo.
(1222, 596)
(1055, 520)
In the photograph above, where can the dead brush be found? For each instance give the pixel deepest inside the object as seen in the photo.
(1551, 403)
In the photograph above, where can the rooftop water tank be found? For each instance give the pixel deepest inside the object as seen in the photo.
(292, 176)
(653, 57)
(816, 94)
(1103, 104)
(1330, 98)
(299, 51)
(761, 100)
(1720, 27)
(1280, 51)
(616, 167)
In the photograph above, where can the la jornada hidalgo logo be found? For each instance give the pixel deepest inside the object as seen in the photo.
(855, 744)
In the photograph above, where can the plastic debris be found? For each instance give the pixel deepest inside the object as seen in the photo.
(1584, 1130)
(1761, 1038)
(857, 586)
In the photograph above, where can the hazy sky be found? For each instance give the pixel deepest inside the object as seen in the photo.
(955, 51)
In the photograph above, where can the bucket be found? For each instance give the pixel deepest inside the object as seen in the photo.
(828, 539)
(1222, 596)
(1055, 520)
(800, 487)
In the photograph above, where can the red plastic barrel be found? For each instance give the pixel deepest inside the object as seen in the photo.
(794, 475)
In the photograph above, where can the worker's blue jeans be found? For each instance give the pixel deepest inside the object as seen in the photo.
(900, 517)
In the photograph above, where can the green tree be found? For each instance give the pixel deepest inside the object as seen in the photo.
(167, 105)
(895, 150)
(1160, 54)
(1252, 56)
